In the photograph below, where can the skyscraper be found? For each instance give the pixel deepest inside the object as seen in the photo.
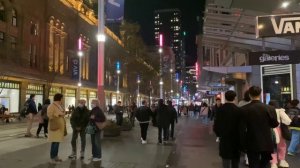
(168, 23)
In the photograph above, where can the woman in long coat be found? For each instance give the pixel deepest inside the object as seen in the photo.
(57, 127)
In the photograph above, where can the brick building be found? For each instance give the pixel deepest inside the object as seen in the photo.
(38, 45)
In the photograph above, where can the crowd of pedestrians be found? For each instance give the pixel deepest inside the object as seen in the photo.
(256, 129)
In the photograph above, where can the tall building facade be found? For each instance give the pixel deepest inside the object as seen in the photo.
(168, 22)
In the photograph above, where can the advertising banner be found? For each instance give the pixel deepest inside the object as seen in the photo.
(277, 25)
(274, 57)
(114, 10)
(75, 68)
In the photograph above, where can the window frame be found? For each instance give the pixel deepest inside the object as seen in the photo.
(14, 18)
(3, 16)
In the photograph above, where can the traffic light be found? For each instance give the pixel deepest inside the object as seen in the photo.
(184, 33)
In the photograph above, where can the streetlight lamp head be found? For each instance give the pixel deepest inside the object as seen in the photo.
(101, 38)
(172, 91)
(171, 70)
(79, 84)
(285, 4)
(161, 82)
(160, 50)
(138, 81)
(80, 54)
(177, 80)
(118, 91)
(118, 71)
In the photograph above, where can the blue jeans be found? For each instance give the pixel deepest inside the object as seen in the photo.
(204, 119)
(294, 141)
(96, 144)
(54, 150)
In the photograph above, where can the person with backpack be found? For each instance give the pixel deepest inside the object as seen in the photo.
(163, 121)
(31, 111)
(143, 115)
(294, 113)
(44, 119)
(280, 153)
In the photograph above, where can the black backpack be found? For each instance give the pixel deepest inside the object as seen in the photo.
(24, 110)
(294, 114)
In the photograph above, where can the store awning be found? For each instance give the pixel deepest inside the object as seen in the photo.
(229, 70)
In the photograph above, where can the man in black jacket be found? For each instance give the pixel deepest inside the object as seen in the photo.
(226, 127)
(143, 114)
(79, 121)
(31, 112)
(118, 110)
(163, 121)
(173, 118)
(257, 121)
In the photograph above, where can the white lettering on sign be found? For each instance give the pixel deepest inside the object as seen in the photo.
(273, 58)
(286, 25)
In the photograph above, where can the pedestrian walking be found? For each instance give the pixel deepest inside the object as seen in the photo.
(214, 109)
(204, 113)
(191, 110)
(226, 127)
(153, 115)
(97, 122)
(173, 119)
(119, 111)
(132, 112)
(246, 100)
(143, 115)
(163, 121)
(280, 152)
(44, 119)
(294, 113)
(256, 138)
(79, 121)
(197, 111)
(57, 127)
(31, 113)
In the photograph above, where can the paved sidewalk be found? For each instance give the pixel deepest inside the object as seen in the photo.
(196, 147)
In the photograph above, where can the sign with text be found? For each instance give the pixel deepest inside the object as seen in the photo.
(114, 10)
(277, 25)
(219, 89)
(75, 68)
(274, 57)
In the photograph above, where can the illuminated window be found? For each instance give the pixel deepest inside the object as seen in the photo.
(14, 18)
(1, 37)
(2, 11)
(13, 42)
(34, 29)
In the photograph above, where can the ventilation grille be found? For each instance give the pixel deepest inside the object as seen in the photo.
(276, 69)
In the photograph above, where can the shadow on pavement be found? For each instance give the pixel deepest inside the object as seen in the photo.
(72, 164)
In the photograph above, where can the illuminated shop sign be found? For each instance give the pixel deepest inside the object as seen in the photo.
(274, 57)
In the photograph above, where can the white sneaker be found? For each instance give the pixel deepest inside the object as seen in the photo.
(274, 165)
(284, 163)
(96, 159)
(144, 142)
(72, 156)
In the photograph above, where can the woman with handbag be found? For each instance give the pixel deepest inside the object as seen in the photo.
(57, 126)
(280, 133)
(96, 124)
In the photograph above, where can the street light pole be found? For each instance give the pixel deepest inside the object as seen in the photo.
(118, 67)
(80, 55)
(171, 92)
(161, 67)
(138, 91)
(101, 42)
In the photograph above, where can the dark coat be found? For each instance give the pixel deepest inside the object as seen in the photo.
(226, 127)
(118, 110)
(256, 124)
(143, 114)
(162, 116)
(173, 114)
(80, 117)
(31, 106)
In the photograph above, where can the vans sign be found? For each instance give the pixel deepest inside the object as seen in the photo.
(274, 57)
(278, 25)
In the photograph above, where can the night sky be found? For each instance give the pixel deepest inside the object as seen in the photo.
(141, 11)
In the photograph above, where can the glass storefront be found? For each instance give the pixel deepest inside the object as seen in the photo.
(53, 91)
(70, 98)
(92, 96)
(38, 90)
(10, 96)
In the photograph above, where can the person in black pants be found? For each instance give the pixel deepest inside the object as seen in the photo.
(118, 110)
(255, 130)
(226, 127)
(173, 118)
(44, 118)
(143, 114)
(163, 121)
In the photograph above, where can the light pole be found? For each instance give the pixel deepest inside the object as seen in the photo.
(138, 90)
(118, 67)
(101, 41)
(160, 66)
(171, 92)
(80, 55)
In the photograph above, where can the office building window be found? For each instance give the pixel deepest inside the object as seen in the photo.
(14, 17)
(2, 11)
(34, 29)
(13, 42)
(1, 37)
